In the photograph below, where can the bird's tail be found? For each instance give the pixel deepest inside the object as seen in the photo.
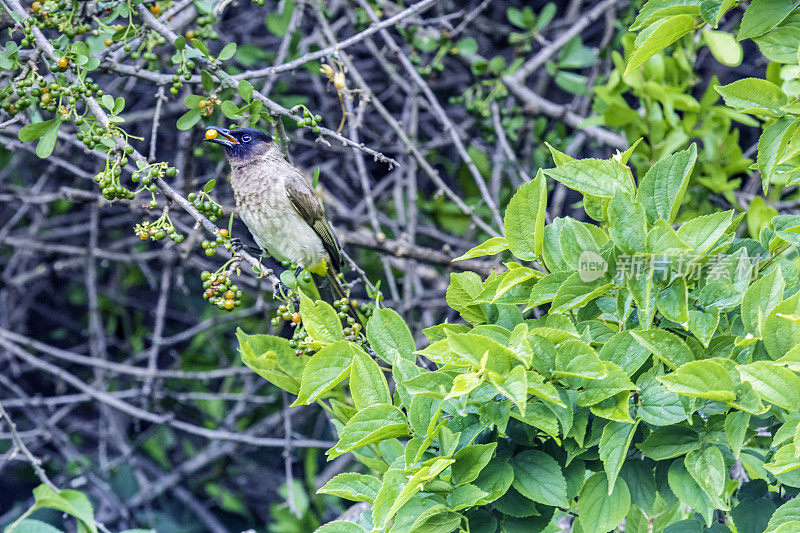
(331, 290)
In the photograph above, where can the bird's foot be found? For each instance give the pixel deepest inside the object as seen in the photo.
(238, 246)
(279, 290)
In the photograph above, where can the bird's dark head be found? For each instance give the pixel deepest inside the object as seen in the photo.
(241, 143)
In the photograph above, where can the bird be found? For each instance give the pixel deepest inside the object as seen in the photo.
(279, 206)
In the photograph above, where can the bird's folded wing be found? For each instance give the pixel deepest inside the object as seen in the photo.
(307, 205)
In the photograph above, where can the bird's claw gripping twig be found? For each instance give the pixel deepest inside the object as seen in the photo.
(238, 246)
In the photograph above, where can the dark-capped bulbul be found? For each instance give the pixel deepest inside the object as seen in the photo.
(278, 204)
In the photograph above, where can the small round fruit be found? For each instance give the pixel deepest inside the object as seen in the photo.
(229, 304)
(211, 134)
(223, 233)
(296, 318)
(63, 62)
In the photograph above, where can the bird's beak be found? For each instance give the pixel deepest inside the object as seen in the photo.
(220, 136)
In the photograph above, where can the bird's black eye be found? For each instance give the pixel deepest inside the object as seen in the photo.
(246, 138)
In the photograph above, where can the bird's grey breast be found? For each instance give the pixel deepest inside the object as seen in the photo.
(264, 206)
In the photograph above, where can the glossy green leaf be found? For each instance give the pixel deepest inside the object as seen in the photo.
(701, 379)
(370, 425)
(663, 186)
(524, 219)
(601, 509)
(598, 177)
(538, 476)
(658, 36)
(326, 369)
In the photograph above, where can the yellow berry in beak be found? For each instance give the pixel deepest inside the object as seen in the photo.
(211, 134)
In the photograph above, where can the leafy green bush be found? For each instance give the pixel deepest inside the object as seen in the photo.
(666, 356)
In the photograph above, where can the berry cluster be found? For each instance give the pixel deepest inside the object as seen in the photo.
(52, 15)
(183, 72)
(146, 175)
(219, 290)
(309, 120)
(158, 230)
(223, 238)
(206, 205)
(343, 308)
(205, 29)
(109, 180)
(54, 96)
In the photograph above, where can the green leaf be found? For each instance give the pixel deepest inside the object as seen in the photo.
(31, 132)
(760, 299)
(596, 390)
(245, 90)
(665, 345)
(723, 47)
(352, 486)
(108, 101)
(200, 45)
(578, 359)
(29, 525)
(188, 119)
(574, 292)
(690, 493)
(654, 10)
(668, 442)
(703, 233)
(614, 444)
(780, 45)
(464, 288)
(598, 177)
(47, 142)
(773, 383)
(493, 246)
(707, 467)
(600, 509)
(786, 513)
(702, 379)
(230, 110)
(656, 37)
(320, 320)
(783, 461)
(754, 96)
(514, 386)
(370, 425)
(209, 186)
(340, 526)
(703, 324)
(71, 502)
(326, 369)
(367, 383)
(771, 146)
(273, 359)
(736, 423)
(180, 42)
(763, 15)
(658, 406)
(663, 186)
(470, 461)
(524, 219)
(624, 351)
(227, 52)
(207, 81)
(538, 477)
(780, 334)
(390, 337)
(627, 223)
